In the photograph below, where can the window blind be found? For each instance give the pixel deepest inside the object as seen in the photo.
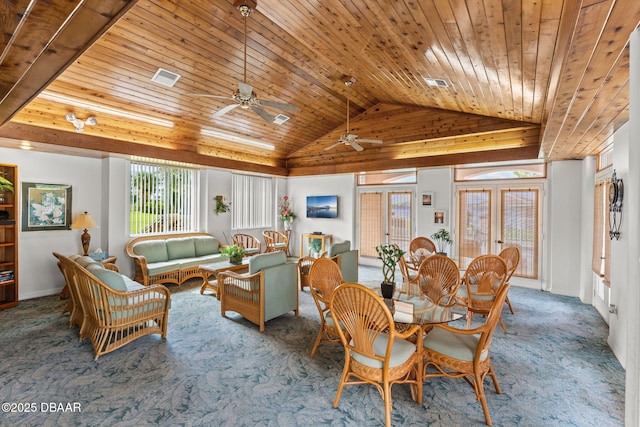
(252, 204)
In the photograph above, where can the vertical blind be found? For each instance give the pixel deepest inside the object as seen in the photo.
(163, 199)
(474, 224)
(519, 220)
(370, 223)
(252, 204)
(400, 227)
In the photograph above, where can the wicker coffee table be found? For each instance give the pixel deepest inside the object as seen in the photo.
(209, 270)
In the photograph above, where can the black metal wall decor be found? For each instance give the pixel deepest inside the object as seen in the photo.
(616, 192)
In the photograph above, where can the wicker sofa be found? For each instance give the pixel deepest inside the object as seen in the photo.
(111, 309)
(172, 258)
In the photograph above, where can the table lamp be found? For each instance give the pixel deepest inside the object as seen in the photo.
(84, 221)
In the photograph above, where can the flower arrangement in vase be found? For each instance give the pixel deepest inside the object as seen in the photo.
(222, 205)
(286, 213)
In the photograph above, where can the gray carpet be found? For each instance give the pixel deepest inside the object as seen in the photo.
(554, 368)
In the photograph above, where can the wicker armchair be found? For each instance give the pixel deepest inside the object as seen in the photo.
(439, 279)
(251, 245)
(267, 291)
(409, 272)
(304, 268)
(375, 352)
(482, 279)
(112, 318)
(464, 353)
(324, 277)
(419, 249)
(275, 241)
(511, 255)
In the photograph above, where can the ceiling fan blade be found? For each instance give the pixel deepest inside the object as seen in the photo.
(265, 116)
(356, 146)
(334, 145)
(245, 89)
(371, 141)
(225, 110)
(281, 105)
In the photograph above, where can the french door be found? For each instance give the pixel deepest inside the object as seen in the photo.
(385, 218)
(492, 217)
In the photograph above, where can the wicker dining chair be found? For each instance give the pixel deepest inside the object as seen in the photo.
(375, 351)
(419, 249)
(483, 277)
(324, 277)
(511, 255)
(275, 241)
(249, 242)
(409, 273)
(439, 279)
(464, 353)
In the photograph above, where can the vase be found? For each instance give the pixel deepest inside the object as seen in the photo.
(287, 225)
(236, 259)
(387, 289)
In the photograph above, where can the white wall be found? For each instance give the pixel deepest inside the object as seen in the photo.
(439, 181)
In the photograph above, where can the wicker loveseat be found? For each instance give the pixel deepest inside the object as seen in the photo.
(172, 258)
(111, 309)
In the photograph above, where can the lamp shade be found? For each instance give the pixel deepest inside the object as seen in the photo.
(84, 221)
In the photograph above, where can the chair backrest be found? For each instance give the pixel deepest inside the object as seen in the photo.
(363, 316)
(439, 279)
(485, 274)
(247, 241)
(492, 319)
(324, 277)
(511, 255)
(275, 241)
(420, 248)
(404, 270)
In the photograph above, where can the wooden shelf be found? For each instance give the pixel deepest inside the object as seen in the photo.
(9, 241)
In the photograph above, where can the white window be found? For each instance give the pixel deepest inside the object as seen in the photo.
(252, 204)
(163, 199)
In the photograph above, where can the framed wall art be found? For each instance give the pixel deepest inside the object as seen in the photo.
(427, 199)
(440, 217)
(46, 207)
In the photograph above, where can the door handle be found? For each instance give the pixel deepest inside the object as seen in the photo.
(499, 241)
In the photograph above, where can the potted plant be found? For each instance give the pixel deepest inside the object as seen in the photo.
(443, 240)
(315, 245)
(390, 255)
(234, 252)
(222, 205)
(5, 185)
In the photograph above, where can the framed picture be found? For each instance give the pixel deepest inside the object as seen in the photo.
(427, 199)
(46, 207)
(440, 217)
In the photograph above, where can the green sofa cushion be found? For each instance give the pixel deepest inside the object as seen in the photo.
(182, 247)
(259, 262)
(206, 245)
(338, 248)
(152, 250)
(110, 278)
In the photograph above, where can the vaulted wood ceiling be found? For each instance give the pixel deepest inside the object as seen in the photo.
(525, 79)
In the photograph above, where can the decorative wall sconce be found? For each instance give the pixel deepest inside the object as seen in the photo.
(78, 123)
(616, 192)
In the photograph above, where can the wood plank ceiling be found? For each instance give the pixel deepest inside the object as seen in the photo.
(547, 79)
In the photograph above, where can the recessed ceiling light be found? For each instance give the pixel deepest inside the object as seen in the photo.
(436, 82)
(236, 138)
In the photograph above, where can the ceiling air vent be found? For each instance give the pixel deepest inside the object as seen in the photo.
(280, 119)
(165, 77)
(437, 82)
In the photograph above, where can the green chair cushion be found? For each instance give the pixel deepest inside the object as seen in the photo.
(152, 250)
(262, 261)
(401, 352)
(338, 248)
(457, 346)
(85, 261)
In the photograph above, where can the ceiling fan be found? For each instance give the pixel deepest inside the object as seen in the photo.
(349, 138)
(244, 96)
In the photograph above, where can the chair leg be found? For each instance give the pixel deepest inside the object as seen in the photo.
(318, 340)
(504, 328)
(509, 304)
(479, 387)
(492, 373)
(343, 379)
(387, 404)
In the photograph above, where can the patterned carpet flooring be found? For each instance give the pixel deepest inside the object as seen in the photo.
(554, 368)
